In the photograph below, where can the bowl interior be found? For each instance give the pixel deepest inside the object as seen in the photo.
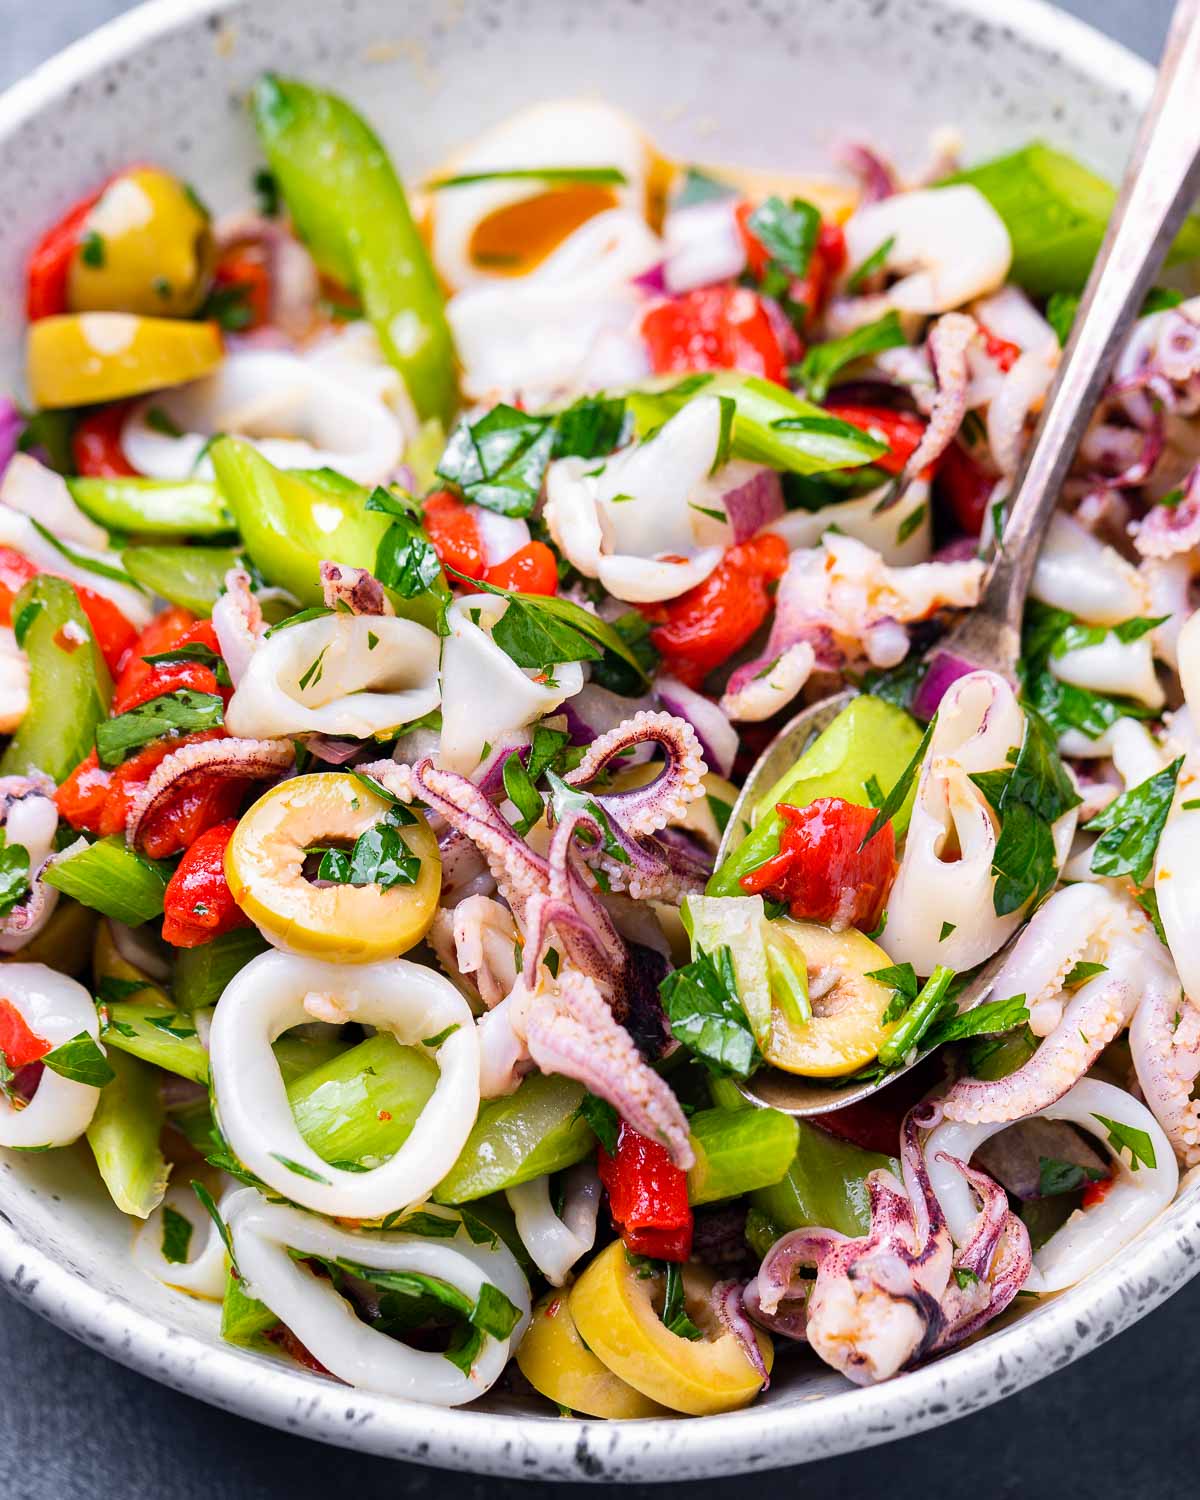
(770, 85)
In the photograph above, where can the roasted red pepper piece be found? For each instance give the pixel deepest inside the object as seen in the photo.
(828, 258)
(965, 486)
(50, 263)
(182, 821)
(530, 570)
(1003, 351)
(451, 528)
(18, 1043)
(900, 430)
(705, 626)
(647, 1196)
(714, 328)
(164, 633)
(198, 903)
(243, 276)
(82, 796)
(821, 872)
(96, 443)
(15, 572)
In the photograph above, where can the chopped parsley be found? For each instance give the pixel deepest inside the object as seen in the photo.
(706, 1016)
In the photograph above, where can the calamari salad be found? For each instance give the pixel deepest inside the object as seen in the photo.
(396, 590)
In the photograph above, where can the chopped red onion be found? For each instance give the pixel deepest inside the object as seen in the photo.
(652, 281)
(11, 423)
(943, 670)
(754, 503)
(718, 738)
(593, 711)
(333, 752)
(876, 177)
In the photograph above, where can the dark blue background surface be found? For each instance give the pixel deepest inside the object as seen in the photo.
(1122, 1424)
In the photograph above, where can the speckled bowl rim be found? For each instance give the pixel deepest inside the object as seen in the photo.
(1163, 1259)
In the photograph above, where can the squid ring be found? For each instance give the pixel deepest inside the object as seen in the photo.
(556, 1241)
(56, 1009)
(1090, 1238)
(203, 1274)
(326, 1324)
(413, 1003)
(264, 865)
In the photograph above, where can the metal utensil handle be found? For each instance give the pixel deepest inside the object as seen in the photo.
(1160, 186)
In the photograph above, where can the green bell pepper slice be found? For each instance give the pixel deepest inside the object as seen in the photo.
(69, 685)
(153, 507)
(193, 577)
(124, 1135)
(868, 738)
(826, 1185)
(348, 205)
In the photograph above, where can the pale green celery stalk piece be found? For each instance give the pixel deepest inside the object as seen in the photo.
(1056, 212)
(537, 1129)
(737, 922)
(192, 577)
(424, 453)
(738, 1150)
(200, 974)
(868, 738)
(131, 1029)
(298, 1056)
(124, 1135)
(725, 1094)
(113, 879)
(789, 983)
(243, 1319)
(337, 1106)
(153, 507)
(825, 1185)
(349, 207)
(69, 685)
(815, 443)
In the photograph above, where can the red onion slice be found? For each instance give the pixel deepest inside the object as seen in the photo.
(754, 503)
(718, 738)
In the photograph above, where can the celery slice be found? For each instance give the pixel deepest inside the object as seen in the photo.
(153, 507)
(826, 1185)
(201, 973)
(770, 425)
(159, 1035)
(124, 1135)
(1056, 212)
(113, 879)
(738, 1150)
(361, 1106)
(537, 1129)
(189, 576)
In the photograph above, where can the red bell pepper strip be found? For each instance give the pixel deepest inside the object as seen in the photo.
(821, 872)
(647, 1196)
(181, 823)
(96, 443)
(198, 903)
(19, 1044)
(900, 430)
(703, 627)
(714, 328)
(166, 631)
(962, 484)
(49, 265)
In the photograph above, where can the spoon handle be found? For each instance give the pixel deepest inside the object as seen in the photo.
(1160, 186)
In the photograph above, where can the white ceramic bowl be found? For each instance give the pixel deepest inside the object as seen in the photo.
(763, 82)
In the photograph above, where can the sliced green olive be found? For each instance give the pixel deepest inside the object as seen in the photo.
(847, 1027)
(558, 1364)
(146, 247)
(616, 1308)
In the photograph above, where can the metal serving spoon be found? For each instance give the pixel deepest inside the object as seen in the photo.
(1161, 184)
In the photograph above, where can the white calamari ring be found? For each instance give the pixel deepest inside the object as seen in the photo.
(203, 1273)
(408, 1001)
(56, 1009)
(555, 1243)
(327, 1325)
(1092, 1236)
